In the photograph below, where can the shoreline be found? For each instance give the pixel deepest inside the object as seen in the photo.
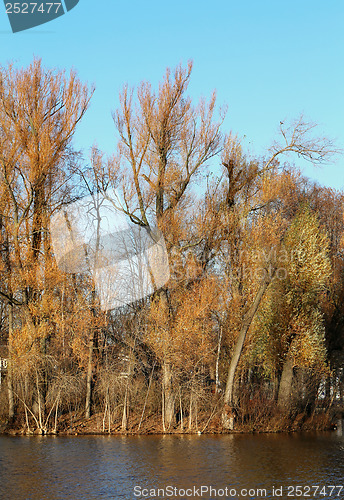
(84, 428)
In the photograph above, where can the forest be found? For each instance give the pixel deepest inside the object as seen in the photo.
(246, 331)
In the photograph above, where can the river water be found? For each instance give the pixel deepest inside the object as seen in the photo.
(173, 467)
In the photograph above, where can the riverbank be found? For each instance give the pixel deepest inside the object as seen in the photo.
(96, 425)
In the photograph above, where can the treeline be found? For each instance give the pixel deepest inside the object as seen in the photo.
(247, 332)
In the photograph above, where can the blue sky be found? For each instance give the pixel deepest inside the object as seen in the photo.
(268, 60)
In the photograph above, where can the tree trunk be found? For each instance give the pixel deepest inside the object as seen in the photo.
(9, 365)
(311, 388)
(227, 415)
(191, 405)
(125, 411)
(217, 362)
(92, 346)
(89, 375)
(168, 395)
(285, 387)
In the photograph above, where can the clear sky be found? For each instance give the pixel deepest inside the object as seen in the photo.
(269, 61)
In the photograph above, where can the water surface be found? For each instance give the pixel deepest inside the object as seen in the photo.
(116, 467)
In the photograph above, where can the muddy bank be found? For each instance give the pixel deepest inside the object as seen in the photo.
(96, 425)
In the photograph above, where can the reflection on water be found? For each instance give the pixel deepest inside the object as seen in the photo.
(96, 467)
